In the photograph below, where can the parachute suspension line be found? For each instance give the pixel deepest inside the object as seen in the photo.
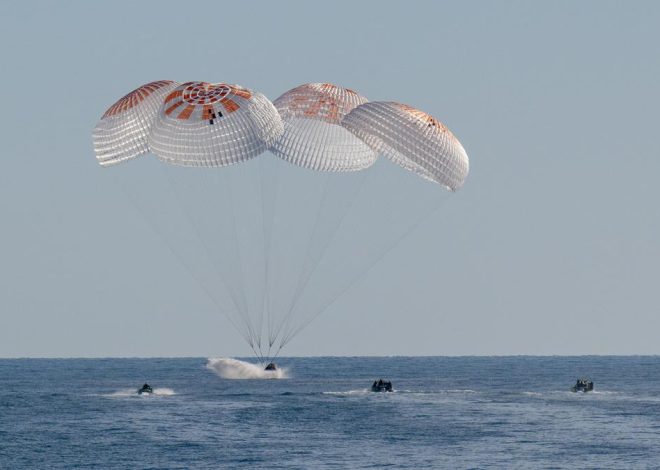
(286, 337)
(277, 353)
(273, 177)
(273, 197)
(187, 212)
(334, 230)
(247, 334)
(387, 249)
(248, 319)
(259, 355)
(210, 186)
(282, 343)
(263, 229)
(267, 229)
(183, 262)
(256, 354)
(300, 283)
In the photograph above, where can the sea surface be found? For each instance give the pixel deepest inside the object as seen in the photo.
(445, 412)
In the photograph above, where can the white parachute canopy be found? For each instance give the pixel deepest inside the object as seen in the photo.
(313, 137)
(412, 139)
(270, 242)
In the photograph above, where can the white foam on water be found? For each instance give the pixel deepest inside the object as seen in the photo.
(163, 392)
(362, 391)
(127, 392)
(132, 392)
(367, 391)
(229, 368)
(438, 392)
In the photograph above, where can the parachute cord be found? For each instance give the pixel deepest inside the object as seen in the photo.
(279, 349)
(262, 358)
(337, 228)
(178, 196)
(241, 283)
(256, 350)
(276, 354)
(266, 242)
(268, 248)
(361, 274)
(290, 333)
(249, 336)
(221, 308)
(278, 330)
(287, 331)
(257, 355)
(300, 283)
(240, 287)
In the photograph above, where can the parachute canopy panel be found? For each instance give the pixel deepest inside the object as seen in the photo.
(204, 124)
(313, 137)
(123, 131)
(412, 139)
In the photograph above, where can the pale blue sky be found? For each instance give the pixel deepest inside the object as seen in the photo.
(551, 247)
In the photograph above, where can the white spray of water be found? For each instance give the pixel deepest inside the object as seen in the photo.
(229, 368)
(163, 392)
(132, 392)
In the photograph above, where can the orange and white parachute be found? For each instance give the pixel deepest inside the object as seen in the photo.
(204, 124)
(412, 139)
(313, 136)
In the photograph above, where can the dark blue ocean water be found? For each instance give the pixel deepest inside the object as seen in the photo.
(467, 412)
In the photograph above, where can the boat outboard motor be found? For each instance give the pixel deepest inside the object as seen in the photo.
(146, 388)
(381, 385)
(271, 366)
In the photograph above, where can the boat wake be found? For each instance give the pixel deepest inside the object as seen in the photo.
(229, 368)
(367, 391)
(362, 391)
(132, 392)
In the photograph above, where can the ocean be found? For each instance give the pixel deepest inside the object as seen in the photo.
(445, 412)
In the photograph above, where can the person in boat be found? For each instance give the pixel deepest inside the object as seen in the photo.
(381, 385)
(146, 388)
(271, 366)
(583, 385)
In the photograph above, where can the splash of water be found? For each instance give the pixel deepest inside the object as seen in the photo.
(229, 368)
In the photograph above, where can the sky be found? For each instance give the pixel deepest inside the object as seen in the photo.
(551, 247)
